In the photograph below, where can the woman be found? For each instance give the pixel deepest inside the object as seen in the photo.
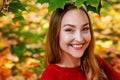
(69, 48)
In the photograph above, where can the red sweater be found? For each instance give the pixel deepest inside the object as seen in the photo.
(54, 72)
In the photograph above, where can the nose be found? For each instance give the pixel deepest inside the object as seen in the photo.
(78, 37)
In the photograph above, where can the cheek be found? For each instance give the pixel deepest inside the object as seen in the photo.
(64, 38)
(87, 37)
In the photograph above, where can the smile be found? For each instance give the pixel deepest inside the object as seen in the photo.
(76, 46)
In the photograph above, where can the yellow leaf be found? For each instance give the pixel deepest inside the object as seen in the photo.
(9, 65)
(2, 45)
(101, 25)
(31, 62)
(1, 3)
(42, 54)
(28, 53)
(112, 12)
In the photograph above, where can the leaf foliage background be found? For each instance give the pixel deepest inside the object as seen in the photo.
(24, 26)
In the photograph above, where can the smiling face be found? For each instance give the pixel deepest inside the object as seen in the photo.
(75, 33)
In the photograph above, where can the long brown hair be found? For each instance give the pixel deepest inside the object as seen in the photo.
(89, 64)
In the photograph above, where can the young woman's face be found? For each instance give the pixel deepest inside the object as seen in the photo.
(75, 33)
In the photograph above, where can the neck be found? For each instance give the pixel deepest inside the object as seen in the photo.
(69, 61)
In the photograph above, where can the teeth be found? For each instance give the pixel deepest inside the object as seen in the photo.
(77, 46)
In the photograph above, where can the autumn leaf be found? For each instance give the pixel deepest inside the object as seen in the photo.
(28, 74)
(5, 72)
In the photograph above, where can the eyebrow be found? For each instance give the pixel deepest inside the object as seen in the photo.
(74, 25)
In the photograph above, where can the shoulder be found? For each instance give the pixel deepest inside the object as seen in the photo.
(52, 68)
(102, 63)
(50, 72)
(108, 69)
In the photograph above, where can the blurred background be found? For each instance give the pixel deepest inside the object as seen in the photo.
(22, 39)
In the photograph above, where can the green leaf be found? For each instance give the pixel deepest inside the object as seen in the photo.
(91, 8)
(78, 3)
(18, 17)
(1, 14)
(94, 3)
(15, 6)
(94, 9)
(19, 51)
(53, 4)
(99, 8)
(42, 1)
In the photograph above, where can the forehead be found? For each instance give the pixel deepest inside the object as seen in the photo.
(75, 17)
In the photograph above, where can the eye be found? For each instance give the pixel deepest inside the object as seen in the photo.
(85, 29)
(69, 30)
